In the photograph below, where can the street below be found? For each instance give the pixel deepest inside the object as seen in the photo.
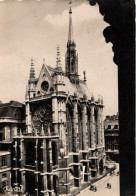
(102, 187)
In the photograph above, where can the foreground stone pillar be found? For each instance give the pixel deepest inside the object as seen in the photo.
(36, 155)
(23, 181)
(22, 160)
(22, 150)
(28, 118)
(44, 185)
(15, 165)
(44, 151)
(102, 128)
(99, 126)
(84, 123)
(55, 113)
(36, 167)
(75, 123)
(92, 126)
(62, 121)
(50, 155)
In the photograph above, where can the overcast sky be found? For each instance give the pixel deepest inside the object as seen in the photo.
(33, 28)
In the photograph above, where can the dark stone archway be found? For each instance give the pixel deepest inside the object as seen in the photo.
(121, 33)
(30, 183)
(101, 166)
(54, 153)
(56, 184)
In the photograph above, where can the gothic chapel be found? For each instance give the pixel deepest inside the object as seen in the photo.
(62, 148)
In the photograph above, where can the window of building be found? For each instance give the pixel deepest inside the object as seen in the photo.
(1, 137)
(106, 148)
(109, 126)
(109, 141)
(4, 184)
(54, 154)
(116, 147)
(30, 153)
(112, 147)
(115, 126)
(4, 175)
(3, 161)
(84, 156)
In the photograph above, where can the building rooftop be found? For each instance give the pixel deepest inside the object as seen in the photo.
(11, 110)
(113, 117)
(12, 104)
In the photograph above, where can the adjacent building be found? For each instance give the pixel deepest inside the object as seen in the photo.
(63, 145)
(12, 120)
(5, 170)
(111, 131)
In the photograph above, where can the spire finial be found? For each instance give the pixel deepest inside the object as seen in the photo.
(32, 71)
(58, 59)
(26, 94)
(99, 100)
(70, 35)
(92, 98)
(70, 10)
(32, 60)
(43, 61)
(102, 100)
(84, 76)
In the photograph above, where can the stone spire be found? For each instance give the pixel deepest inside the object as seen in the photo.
(71, 58)
(32, 70)
(70, 34)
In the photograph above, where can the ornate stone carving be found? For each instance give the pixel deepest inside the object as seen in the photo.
(42, 118)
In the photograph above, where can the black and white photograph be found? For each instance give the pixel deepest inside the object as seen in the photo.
(67, 102)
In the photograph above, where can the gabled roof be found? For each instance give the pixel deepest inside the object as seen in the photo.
(71, 88)
(81, 88)
(53, 70)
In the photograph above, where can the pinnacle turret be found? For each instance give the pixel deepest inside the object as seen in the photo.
(92, 98)
(102, 100)
(58, 59)
(99, 100)
(43, 61)
(84, 76)
(32, 70)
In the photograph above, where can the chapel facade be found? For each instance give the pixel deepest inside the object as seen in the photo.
(62, 148)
